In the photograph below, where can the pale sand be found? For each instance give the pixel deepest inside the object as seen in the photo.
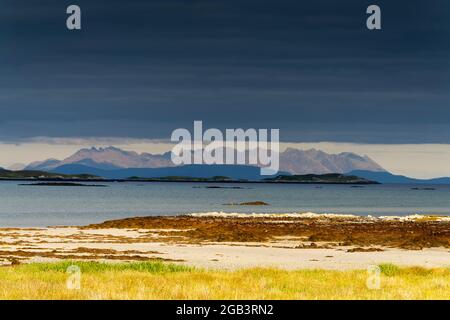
(31, 245)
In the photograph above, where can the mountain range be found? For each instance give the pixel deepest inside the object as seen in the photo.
(292, 161)
(115, 163)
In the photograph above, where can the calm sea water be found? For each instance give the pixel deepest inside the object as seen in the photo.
(32, 206)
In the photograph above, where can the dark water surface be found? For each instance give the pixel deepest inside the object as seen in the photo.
(31, 206)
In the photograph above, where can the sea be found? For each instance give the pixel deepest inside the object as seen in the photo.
(41, 206)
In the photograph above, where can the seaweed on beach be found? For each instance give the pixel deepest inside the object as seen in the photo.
(362, 232)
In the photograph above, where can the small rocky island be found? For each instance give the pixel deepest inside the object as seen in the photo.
(42, 175)
(62, 184)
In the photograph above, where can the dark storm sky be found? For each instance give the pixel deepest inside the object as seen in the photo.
(141, 68)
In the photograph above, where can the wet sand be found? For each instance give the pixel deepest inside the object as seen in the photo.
(227, 241)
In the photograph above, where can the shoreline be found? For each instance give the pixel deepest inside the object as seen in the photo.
(235, 241)
(195, 180)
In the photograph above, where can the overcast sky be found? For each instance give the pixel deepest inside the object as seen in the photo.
(142, 68)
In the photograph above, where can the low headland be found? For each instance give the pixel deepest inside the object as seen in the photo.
(330, 178)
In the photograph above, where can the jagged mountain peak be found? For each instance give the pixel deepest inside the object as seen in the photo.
(297, 161)
(107, 158)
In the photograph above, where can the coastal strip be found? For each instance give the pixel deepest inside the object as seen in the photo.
(233, 241)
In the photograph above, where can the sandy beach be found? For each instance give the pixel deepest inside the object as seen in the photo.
(233, 241)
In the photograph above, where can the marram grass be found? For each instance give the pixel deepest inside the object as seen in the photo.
(157, 280)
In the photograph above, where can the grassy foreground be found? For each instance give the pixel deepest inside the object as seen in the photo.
(156, 280)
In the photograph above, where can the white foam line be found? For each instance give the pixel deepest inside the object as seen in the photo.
(273, 215)
(312, 215)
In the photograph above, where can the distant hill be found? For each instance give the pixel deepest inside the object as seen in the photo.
(16, 166)
(386, 177)
(235, 172)
(43, 165)
(329, 178)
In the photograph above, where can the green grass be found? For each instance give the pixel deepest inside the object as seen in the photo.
(90, 267)
(158, 280)
(389, 269)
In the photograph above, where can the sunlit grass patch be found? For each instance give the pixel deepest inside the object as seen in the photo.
(389, 269)
(93, 266)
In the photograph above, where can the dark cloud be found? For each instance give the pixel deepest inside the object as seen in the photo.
(144, 68)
